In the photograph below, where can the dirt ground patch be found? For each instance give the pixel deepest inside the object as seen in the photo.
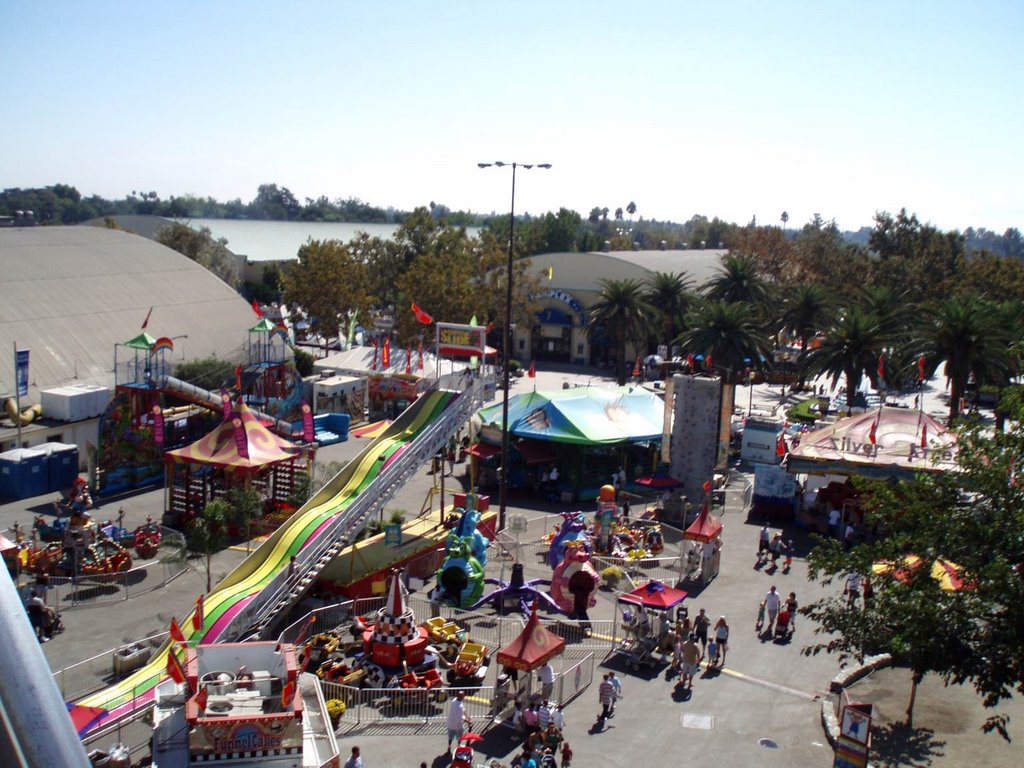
(947, 723)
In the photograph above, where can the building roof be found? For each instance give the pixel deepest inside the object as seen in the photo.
(581, 272)
(69, 294)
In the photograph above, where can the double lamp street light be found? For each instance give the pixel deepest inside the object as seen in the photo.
(507, 350)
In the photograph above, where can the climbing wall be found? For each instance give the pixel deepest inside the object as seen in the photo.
(695, 432)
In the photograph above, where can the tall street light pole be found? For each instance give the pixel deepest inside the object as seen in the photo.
(507, 350)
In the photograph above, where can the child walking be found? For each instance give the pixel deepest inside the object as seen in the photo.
(760, 617)
(712, 652)
(566, 754)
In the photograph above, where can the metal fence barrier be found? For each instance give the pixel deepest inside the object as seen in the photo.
(410, 706)
(100, 671)
(64, 592)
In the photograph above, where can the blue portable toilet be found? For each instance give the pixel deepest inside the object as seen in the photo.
(23, 473)
(61, 465)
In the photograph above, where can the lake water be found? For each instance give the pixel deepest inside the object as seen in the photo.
(273, 240)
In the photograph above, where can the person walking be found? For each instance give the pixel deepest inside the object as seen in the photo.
(763, 540)
(355, 761)
(606, 696)
(617, 685)
(791, 606)
(772, 604)
(457, 719)
(722, 637)
(701, 624)
(852, 590)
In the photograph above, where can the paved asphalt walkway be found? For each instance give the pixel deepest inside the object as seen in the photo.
(761, 708)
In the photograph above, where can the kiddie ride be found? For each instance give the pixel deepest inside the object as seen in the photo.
(102, 556)
(395, 652)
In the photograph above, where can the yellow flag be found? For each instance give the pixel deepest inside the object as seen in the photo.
(551, 271)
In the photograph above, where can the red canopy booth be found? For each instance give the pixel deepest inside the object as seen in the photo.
(534, 647)
(702, 547)
(239, 453)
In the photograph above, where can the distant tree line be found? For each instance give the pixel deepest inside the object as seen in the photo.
(564, 230)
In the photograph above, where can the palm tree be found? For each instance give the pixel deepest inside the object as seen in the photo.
(623, 312)
(785, 219)
(670, 294)
(738, 279)
(730, 332)
(850, 348)
(893, 308)
(806, 309)
(971, 335)
(631, 210)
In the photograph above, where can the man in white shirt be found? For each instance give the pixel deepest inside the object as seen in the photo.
(834, 516)
(356, 761)
(546, 674)
(617, 685)
(772, 605)
(853, 582)
(457, 719)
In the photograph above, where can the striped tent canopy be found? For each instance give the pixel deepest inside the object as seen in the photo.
(244, 445)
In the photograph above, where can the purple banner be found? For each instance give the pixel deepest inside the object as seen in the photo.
(241, 440)
(225, 402)
(158, 425)
(307, 423)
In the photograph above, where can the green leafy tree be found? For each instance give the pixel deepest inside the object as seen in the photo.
(328, 284)
(622, 312)
(200, 246)
(730, 332)
(245, 506)
(737, 279)
(850, 349)
(972, 636)
(206, 372)
(806, 309)
(670, 294)
(972, 337)
(208, 531)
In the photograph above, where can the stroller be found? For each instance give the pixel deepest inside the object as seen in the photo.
(783, 627)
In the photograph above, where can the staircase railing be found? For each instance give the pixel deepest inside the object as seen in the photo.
(285, 588)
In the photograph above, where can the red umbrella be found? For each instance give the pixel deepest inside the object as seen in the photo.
(469, 738)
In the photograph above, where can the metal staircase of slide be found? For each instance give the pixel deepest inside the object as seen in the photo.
(284, 591)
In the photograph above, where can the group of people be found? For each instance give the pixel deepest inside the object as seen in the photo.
(779, 613)
(541, 725)
(682, 640)
(773, 546)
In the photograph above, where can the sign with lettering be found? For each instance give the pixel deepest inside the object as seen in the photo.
(227, 735)
(461, 338)
(563, 296)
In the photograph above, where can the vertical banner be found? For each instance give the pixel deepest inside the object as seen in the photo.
(21, 371)
(666, 426)
(308, 433)
(241, 441)
(158, 425)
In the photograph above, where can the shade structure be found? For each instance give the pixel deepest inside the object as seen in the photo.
(705, 528)
(949, 576)
(655, 595)
(536, 451)
(238, 443)
(658, 482)
(142, 341)
(533, 648)
(895, 450)
(582, 416)
(483, 450)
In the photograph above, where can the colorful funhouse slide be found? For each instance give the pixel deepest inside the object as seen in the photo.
(254, 574)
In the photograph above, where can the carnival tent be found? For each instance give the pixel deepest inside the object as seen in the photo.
(884, 442)
(238, 443)
(533, 648)
(582, 416)
(655, 595)
(705, 528)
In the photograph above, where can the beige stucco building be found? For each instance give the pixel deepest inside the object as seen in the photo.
(558, 333)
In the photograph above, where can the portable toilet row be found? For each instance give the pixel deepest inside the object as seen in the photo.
(27, 472)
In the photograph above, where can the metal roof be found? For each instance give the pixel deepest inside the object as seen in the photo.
(71, 293)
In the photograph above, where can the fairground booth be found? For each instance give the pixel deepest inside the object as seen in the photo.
(240, 452)
(590, 435)
(884, 443)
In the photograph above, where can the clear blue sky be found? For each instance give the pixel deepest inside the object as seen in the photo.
(730, 108)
